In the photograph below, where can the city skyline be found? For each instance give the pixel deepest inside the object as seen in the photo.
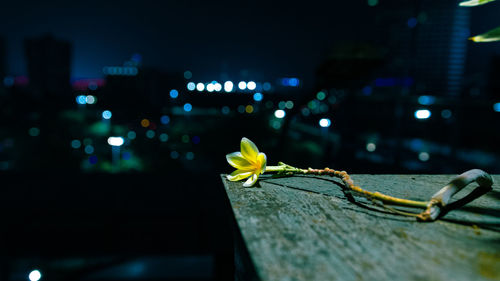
(268, 39)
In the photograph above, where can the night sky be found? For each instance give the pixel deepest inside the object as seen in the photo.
(269, 40)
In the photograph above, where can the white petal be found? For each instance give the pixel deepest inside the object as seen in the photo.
(251, 180)
(249, 150)
(239, 175)
(236, 160)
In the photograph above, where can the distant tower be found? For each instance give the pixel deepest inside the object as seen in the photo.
(425, 40)
(48, 66)
(441, 46)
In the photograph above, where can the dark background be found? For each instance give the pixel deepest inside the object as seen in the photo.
(75, 207)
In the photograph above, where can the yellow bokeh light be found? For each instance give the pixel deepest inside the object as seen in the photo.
(145, 123)
(249, 109)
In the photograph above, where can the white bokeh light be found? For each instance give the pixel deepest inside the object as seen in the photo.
(325, 122)
(242, 85)
(279, 113)
(251, 85)
(228, 86)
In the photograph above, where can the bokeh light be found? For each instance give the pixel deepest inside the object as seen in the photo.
(35, 275)
(106, 114)
(321, 95)
(191, 86)
(165, 119)
(422, 114)
(325, 122)
(225, 110)
(145, 123)
(90, 99)
(89, 149)
(446, 113)
(174, 154)
(34, 131)
(496, 107)
(116, 141)
(371, 147)
(150, 134)
(174, 93)
(131, 135)
(412, 22)
(279, 113)
(251, 85)
(200, 87)
(210, 87)
(76, 144)
(266, 86)
(93, 160)
(423, 156)
(163, 137)
(81, 99)
(217, 87)
(426, 100)
(228, 86)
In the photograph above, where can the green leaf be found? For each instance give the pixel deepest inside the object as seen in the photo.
(472, 3)
(490, 36)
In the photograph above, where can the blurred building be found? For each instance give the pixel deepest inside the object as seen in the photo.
(49, 61)
(494, 81)
(3, 58)
(426, 40)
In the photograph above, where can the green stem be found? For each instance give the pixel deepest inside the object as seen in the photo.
(285, 168)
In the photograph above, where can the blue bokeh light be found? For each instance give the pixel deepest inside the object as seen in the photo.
(257, 97)
(367, 90)
(8, 81)
(93, 159)
(165, 119)
(496, 107)
(188, 107)
(81, 99)
(89, 149)
(126, 155)
(106, 114)
(191, 86)
(174, 93)
(426, 100)
(293, 82)
(412, 22)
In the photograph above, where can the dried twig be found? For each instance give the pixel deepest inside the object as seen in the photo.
(443, 196)
(434, 207)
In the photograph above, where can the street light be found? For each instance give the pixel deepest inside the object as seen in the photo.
(116, 143)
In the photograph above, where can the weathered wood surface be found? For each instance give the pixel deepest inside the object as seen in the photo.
(304, 228)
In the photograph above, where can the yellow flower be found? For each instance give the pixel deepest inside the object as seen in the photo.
(250, 163)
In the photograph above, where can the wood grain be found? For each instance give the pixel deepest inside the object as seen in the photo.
(304, 228)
